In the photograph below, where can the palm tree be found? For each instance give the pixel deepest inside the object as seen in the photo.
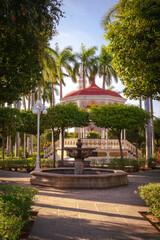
(105, 67)
(85, 57)
(92, 68)
(114, 10)
(49, 75)
(65, 63)
(48, 90)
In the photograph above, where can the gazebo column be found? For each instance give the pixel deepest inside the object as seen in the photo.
(121, 135)
(60, 139)
(107, 138)
(103, 133)
(84, 132)
(79, 133)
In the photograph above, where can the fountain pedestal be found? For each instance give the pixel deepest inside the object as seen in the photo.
(79, 154)
(79, 166)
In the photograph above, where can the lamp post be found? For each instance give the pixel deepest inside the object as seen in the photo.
(36, 109)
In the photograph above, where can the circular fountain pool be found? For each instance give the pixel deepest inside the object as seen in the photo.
(91, 178)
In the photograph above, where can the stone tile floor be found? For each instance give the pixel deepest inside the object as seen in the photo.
(90, 214)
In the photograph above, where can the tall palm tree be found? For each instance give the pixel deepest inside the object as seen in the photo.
(105, 68)
(92, 68)
(65, 63)
(48, 90)
(85, 57)
(49, 75)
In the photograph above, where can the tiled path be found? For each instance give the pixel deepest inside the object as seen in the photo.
(90, 214)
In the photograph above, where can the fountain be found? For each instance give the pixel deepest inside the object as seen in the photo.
(79, 177)
(79, 154)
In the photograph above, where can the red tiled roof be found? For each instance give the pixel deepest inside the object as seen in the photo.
(92, 89)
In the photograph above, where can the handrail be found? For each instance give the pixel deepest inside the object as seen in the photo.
(96, 143)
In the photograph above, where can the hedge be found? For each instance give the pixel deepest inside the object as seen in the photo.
(15, 209)
(151, 194)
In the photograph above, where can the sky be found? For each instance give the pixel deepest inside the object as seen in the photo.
(82, 24)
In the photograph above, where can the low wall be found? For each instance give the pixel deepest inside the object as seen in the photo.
(104, 178)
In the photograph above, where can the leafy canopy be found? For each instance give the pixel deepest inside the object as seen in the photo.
(118, 117)
(26, 28)
(28, 123)
(134, 43)
(9, 118)
(65, 116)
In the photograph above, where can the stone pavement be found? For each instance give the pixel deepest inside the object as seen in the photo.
(110, 214)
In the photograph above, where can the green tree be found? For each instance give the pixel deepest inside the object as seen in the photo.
(92, 68)
(8, 123)
(118, 117)
(64, 116)
(28, 123)
(86, 57)
(49, 76)
(26, 28)
(105, 67)
(62, 61)
(134, 44)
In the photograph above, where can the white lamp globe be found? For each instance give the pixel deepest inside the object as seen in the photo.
(44, 111)
(38, 102)
(34, 111)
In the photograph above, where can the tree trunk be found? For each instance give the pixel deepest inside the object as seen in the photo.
(28, 138)
(140, 102)
(17, 144)
(54, 147)
(84, 82)
(60, 89)
(24, 146)
(17, 137)
(3, 142)
(9, 139)
(24, 135)
(152, 127)
(103, 85)
(31, 146)
(29, 101)
(62, 145)
(136, 149)
(39, 92)
(53, 97)
(31, 136)
(120, 144)
(148, 133)
(9, 145)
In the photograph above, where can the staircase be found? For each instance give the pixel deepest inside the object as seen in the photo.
(105, 145)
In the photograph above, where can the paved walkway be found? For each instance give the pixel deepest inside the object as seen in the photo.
(110, 214)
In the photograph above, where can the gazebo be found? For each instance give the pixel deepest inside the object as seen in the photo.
(105, 148)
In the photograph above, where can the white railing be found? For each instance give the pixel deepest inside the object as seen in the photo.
(49, 150)
(96, 143)
(103, 144)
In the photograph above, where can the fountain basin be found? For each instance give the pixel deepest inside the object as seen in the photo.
(91, 178)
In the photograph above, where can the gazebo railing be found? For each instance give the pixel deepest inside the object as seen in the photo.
(96, 143)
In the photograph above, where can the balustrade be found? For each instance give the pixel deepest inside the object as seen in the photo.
(96, 143)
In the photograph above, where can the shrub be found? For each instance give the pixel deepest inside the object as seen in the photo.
(152, 162)
(142, 163)
(151, 194)
(15, 207)
(93, 135)
(118, 163)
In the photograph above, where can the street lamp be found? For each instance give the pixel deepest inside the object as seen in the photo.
(36, 109)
